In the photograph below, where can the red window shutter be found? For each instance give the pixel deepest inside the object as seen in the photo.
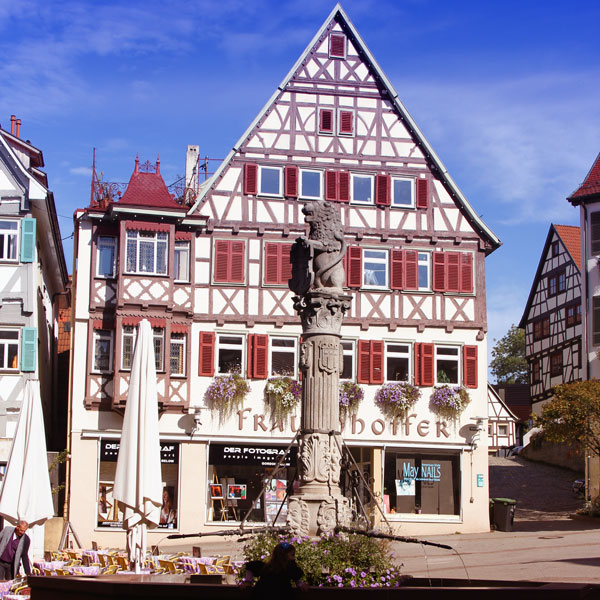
(326, 120)
(337, 45)
(422, 193)
(346, 121)
(331, 186)
(427, 370)
(364, 361)
(259, 358)
(439, 272)
(237, 261)
(271, 266)
(285, 263)
(250, 178)
(470, 366)
(206, 363)
(377, 361)
(249, 355)
(344, 186)
(417, 363)
(291, 181)
(221, 272)
(452, 271)
(411, 272)
(397, 269)
(466, 272)
(382, 190)
(354, 266)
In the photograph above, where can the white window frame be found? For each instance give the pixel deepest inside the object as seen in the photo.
(423, 260)
(353, 200)
(181, 247)
(136, 238)
(397, 354)
(7, 240)
(308, 196)
(101, 335)
(6, 343)
(219, 345)
(413, 184)
(386, 262)
(285, 350)
(158, 343)
(502, 430)
(351, 352)
(178, 340)
(104, 243)
(448, 357)
(131, 333)
(262, 168)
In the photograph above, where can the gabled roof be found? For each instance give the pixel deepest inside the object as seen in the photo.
(590, 186)
(341, 17)
(147, 189)
(517, 397)
(36, 157)
(569, 236)
(492, 393)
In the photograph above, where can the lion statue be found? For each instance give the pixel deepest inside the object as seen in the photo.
(325, 248)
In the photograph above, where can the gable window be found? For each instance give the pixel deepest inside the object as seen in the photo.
(283, 356)
(362, 188)
(554, 249)
(595, 232)
(397, 362)
(269, 181)
(348, 358)
(403, 192)
(230, 353)
(9, 349)
(337, 45)
(177, 353)
(447, 364)
(128, 346)
(106, 257)
(562, 281)
(103, 342)
(311, 184)
(147, 252)
(346, 122)
(9, 234)
(375, 268)
(552, 285)
(556, 363)
(181, 265)
(277, 269)
(326, 120)
(229, 261)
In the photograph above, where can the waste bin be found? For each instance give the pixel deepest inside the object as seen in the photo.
(503, 513)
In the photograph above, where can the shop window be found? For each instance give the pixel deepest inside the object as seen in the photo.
(103, 343)
(556, 364)
(269, 181)
(348, 358)
(177, 354)
(128, 346)
(397, 358)
(106, 257)
(447, 360)
(283, 356)
(422, 483)
(110, 512)
(181, 265)
(362, 188)
(230, 353)
(9, 349)
(9, 237)
(375, 268)
(235, 479)
(403, 192)
(147, 252)
(311, 184)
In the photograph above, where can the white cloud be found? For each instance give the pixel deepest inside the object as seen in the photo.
(87, 171)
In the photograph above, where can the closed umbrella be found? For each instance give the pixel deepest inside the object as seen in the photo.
(138, 477)
(26, 493)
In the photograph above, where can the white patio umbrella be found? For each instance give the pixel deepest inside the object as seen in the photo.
(138, 477)
(26, 493)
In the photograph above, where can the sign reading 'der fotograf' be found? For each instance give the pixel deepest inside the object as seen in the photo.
(244, 454)
(109, 452)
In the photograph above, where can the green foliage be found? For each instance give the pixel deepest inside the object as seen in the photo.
(573, 415)
(62, 457)
(509, 364)
(282, 396)
(338, 560)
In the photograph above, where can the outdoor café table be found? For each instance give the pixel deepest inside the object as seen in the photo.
(5, 586)
(16, 597)
(51, 565)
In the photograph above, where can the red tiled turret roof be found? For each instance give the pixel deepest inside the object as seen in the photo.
(570, 235)
(590, 185)
(148, 189)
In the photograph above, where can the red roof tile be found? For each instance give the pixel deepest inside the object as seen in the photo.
(591, 184)
(571, 238)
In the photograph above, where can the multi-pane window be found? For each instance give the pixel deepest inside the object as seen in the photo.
(9, 233)
(596, 320)
(362, 188)
(9, 349)
(562, 281)
(541, 328)
(158, 342)
(106, 256)
(424, 269)
(348, 358)
(503, 430)
(177, 354)
(375, 268)
(230, 353)
(595, 232)
(147, 252)
(181, 265)
(556, 363)
(554, 249)
(552, 285)
(536, 371)
(103, 341)
(397, 358)
(269, 181)
(573, 314)
(447, 361)
(311, 184)
(128, 346)
(403, 192)
(283, 356)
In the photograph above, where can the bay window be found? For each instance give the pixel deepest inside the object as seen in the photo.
(103, 342)
(147, 252)
(181, 264)
(177, 354)
(106, 257)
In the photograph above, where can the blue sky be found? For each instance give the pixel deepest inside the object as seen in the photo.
(506, 92)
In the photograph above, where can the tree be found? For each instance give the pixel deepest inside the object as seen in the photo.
(509, 364)
(573, 415)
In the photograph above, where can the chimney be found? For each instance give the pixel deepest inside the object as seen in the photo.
(18, 131)
(191, 171)
(12, 124)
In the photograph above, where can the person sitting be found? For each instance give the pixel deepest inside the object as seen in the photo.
(276, 575)
(14, 546)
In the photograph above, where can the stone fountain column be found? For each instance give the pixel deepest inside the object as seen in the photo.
(317, 279)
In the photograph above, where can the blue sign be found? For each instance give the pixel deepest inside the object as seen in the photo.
(479, 480)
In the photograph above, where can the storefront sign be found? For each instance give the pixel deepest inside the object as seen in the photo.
(109, 452)
(426, 472)
(243, 454)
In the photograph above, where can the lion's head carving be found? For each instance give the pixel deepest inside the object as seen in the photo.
(325, 223)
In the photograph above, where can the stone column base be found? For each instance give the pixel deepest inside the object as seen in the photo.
(317, 514)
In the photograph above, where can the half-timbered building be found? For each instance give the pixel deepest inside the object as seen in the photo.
(210, 270)
(502, 424)
(552, 316)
